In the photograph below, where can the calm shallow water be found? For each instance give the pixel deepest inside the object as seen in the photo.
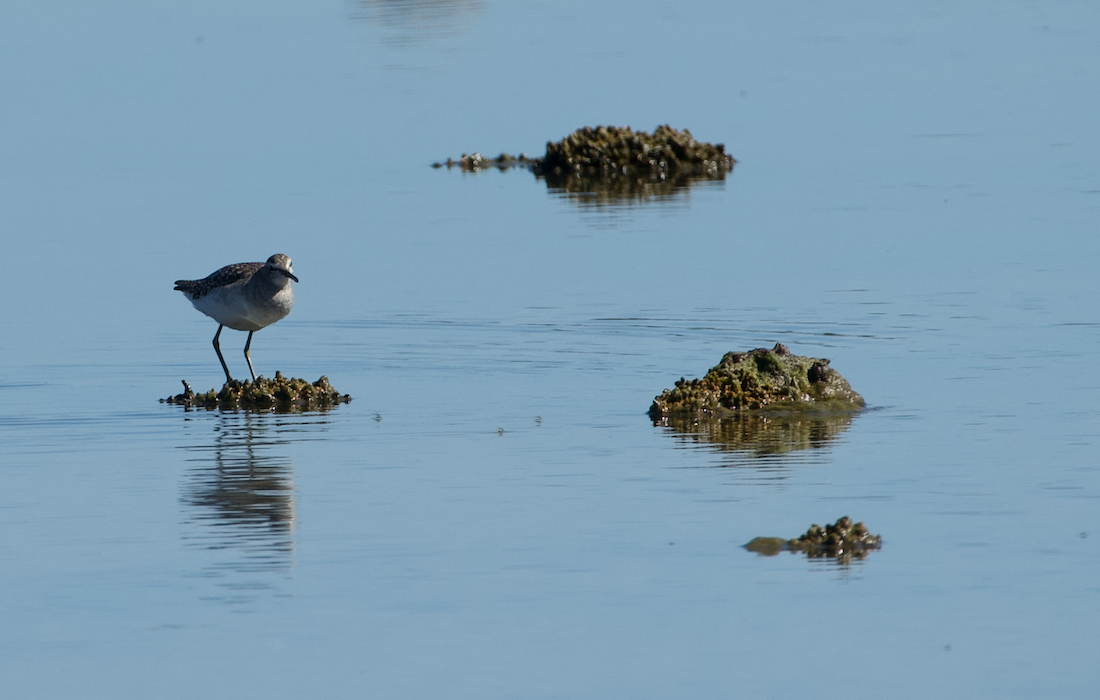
(494, 515)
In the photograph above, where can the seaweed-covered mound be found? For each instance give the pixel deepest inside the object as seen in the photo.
(280, 394)
(615, 150)
(843, 541)
(758, 379)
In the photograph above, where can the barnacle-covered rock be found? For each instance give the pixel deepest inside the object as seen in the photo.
(613, 164)
(614, 151)
(759, 379)
(843, 541)
(280, 395)
(842, 538)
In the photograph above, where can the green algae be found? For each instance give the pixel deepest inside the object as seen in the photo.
(768, 546)
(843, 541)
(278, 395)
(773, 381)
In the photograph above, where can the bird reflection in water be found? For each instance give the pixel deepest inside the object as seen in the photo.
(238, 495)
(409, 22)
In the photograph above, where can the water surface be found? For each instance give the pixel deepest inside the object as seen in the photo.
(494, 515)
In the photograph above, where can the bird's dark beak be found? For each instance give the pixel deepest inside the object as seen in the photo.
(288, 274)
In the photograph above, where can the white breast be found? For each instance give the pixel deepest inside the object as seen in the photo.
(244, 308)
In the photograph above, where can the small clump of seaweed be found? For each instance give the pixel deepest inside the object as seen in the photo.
(615, 163)
(759, 379)
(281, 395)
(843, 541)
(475, 162)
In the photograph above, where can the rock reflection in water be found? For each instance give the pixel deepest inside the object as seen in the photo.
(586, 191)
(605, 189)
(761, 439)
(238, 495)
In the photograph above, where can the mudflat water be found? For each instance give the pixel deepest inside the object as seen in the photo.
(494, 515)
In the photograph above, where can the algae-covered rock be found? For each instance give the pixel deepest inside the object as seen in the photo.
(281, 395)
(843, 541)
(614, 164)
(615, 151)
(761, 379)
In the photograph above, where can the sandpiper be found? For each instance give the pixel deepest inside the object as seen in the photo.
(245, 297)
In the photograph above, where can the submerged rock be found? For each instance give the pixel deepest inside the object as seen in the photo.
(761, 379)
(281, 395)
(475, 162)
(612, 163)
(843, 541)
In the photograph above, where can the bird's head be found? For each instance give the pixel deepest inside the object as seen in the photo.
(280, 264)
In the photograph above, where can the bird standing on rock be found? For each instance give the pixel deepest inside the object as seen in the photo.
(245, 297)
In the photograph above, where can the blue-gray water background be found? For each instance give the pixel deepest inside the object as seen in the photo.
(494, 516)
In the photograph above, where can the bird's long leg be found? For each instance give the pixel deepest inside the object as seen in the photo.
(247, 357)
(218, 349)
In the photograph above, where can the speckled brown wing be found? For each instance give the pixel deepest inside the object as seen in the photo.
(196, 289)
